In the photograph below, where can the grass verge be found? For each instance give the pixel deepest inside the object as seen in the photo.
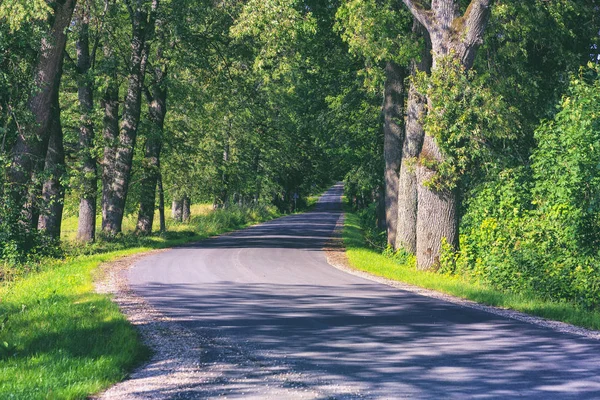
(59, 339)
(364, 258)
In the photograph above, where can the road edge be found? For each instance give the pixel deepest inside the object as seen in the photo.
(335, 253)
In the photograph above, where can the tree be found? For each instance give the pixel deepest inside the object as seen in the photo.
(86, 230)
(157, 110)
(31, 145)
(457, 37)
(143, 16)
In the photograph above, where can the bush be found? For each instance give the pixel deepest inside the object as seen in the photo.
(538, 229)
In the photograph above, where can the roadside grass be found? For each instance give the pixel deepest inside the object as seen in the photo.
(364, 258)
(59, 339)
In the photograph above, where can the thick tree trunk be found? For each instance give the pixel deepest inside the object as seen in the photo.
(393, 130)
(457, 36)
(53, 192)
(86, 230)
(186, 209)
(142, 27)
(32, 144)
(177, 209)
(416, 108)
(437, 220)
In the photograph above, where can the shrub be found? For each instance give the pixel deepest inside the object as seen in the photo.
(538, 229)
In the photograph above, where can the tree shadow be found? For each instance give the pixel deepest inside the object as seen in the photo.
(380, 342)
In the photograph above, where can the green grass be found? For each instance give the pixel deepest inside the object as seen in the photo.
(69, 222)
(59, 339)
(363, 258)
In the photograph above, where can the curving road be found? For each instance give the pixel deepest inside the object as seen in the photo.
(276, 321)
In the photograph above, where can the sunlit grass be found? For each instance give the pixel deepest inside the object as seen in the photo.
(69, 223)
(363, 258)
(59, 339)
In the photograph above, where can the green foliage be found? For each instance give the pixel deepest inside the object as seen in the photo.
(537, 229)
(15, 13)
(379, 32)
(463, 116)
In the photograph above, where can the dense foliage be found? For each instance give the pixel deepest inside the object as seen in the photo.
(536, 228)
(263, 101)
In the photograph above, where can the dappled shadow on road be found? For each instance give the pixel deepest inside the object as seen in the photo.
(369, 339)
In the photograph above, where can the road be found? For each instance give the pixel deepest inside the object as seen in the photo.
(277, 321)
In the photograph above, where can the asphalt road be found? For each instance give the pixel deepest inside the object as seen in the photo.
(276, 321)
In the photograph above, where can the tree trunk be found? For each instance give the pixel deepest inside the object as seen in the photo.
(177, 210)
(393, 130)
(86, 230)
(406, 237)
(32, 144)
(110, 104)
(157, 109)
(142, 28)
(148, 187)
(437, 220)
(161, 203)
(53, 192)
(457, 36)
(185, 209)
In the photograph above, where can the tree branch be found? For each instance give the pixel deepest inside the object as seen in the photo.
(475, 21)
(418, 9)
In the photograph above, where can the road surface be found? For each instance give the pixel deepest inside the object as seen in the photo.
(276, 321)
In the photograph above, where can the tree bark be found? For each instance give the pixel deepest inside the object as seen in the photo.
(86, 230)
(185, 209)
(110, 104)
(31, 145)
(416, 108)
(53, 191)
(393, 131)
(148, 186)
(456, 36)
(142, 28)
(437, 219)
(177, 209)
(157, 109)
(161, 203)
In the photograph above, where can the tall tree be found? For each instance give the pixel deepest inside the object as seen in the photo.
(457, 37)
(393, 134)
(86, 230)
(143, 16)
(53, 190)
(406, 234)
(31, 145)
(157, 110)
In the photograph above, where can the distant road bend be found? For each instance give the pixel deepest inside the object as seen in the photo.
(276, 321)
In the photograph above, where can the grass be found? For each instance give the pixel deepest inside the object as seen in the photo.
(364, 258)
(69, 223)
(59, 339)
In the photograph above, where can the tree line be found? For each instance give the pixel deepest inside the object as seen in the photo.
(444, 117)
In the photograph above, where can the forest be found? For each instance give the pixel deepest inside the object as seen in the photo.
(467, 132)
